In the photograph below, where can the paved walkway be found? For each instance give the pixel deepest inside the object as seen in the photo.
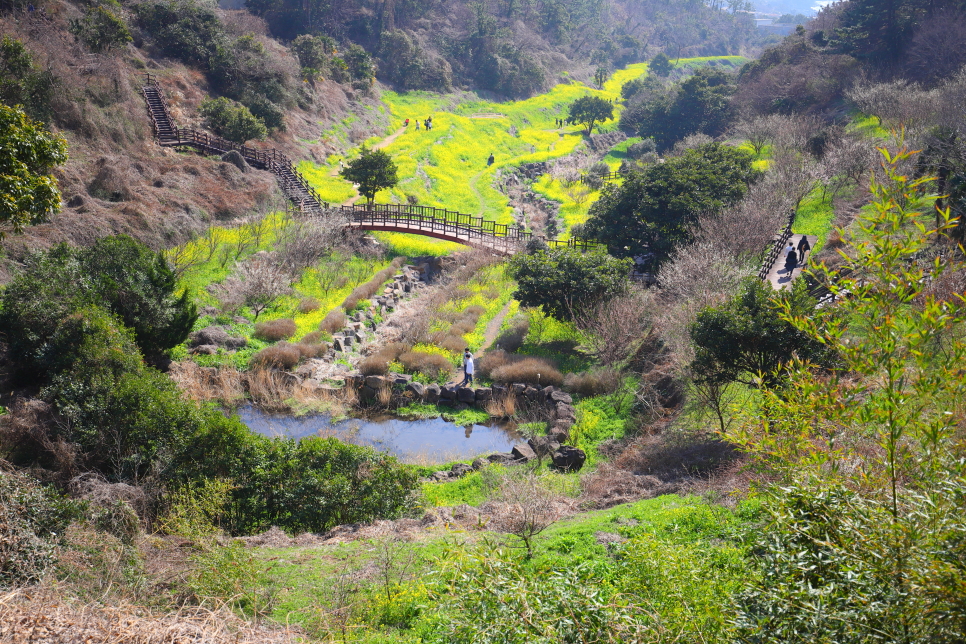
(778, 277)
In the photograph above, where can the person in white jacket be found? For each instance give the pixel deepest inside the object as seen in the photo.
(468, 368)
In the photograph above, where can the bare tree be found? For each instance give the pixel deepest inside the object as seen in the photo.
(256, 283)
(529, 507)
(331, 272)
(394, 559)
(303, 242)
(746, 230)
(615, 327)
(758, 132)
(187, 256)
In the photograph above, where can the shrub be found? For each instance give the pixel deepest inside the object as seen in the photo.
(374, 365)
(101, 29)
(309, 304)
(279, 356)
(430, 364)
(117, 273)
(232, 121)
(490, 361)
(311, 350)
(455, 343)
(513, 337)
(530, 370)
(275, 330)
(33, 517)
(592, 383)
(333, 321)
(311, 338)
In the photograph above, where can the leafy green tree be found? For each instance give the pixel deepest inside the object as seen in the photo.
(372, 171)
(700, 103)
(231, 120)
(565, 281)
(660, 65)
(360, 63)
(313, 51)
(117, 273)
(654, 209)
(866, 541)
(600, 76)
(747, 336)
(101, 29)
(589, 110)
(21, 83)
(28, 193)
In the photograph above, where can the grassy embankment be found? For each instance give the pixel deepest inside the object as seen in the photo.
(680, 557)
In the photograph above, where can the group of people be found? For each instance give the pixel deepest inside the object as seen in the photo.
(428, 123)
(796, 256)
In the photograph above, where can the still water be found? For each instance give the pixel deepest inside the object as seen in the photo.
(422, 442)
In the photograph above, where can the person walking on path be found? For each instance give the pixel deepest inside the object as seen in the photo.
(417, 125)
(490, 161)
(791, 261)
(468, 368)
(407, 122)
(803, 247)
(789, 248)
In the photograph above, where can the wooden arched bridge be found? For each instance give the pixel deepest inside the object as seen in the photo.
(428, 221)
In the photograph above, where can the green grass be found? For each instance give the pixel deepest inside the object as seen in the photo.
(814, 216)
(446, 166)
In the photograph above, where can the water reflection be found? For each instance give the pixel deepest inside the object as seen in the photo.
(423, 442)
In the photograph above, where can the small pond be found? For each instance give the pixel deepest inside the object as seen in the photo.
(421, 442)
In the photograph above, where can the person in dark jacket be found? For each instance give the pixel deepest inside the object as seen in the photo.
(803, 247)
(791, 261)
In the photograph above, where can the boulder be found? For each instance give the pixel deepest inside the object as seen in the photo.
(561, 397)
(205, 350)
(466, 395)
(417, 389)
(460, 469)
(566, 412)
(531, 393)
(499, 391)
(518, 388)
(543, 446)
(338, 343)
(569, 459)
(441, 475)
(523, 452)
(375, 382)
(483, 393)
(433, 393)
(354, 379)
(235, 158)
(448, 393)
(400, 378)
(209, 335)
(501, 458)
(368, 394)
(547, 392)
(480, 463)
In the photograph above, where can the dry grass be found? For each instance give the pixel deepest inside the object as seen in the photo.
(333, 321)
(368, 289)
(268, 389)
(309, 304)
(592, 383)
(275, 330)
(431, 364)
(455, 343)
(42, 615)
(315, 337)
(504, 406)
(309, 350)
(374, 365)
(224, 385)
(530, 370)
(513, 337)
(280, 356)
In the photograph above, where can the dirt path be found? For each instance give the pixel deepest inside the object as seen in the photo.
(489, 337)
(378, 146)
(476, 192)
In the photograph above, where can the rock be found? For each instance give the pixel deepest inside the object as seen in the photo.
(433, 393)
(531, 393)
(460, 469)
(569, 459)
(547, 392)
(235, 158)
(368, 394)
(209, 335)
(375, 382)
(518, 388)
(561, 397)
(400, 378)
(338, 343)
(440, 476)
(236, 342)
(483, 393)
(347, 341)
(543, 446)
(502, 458)
(354, 379)
(499, 391)
(417, 389)
(205, 350)
(466, 395)
(522, 452)
(566, 412)
(448, 393)
(480, 463)
(558, 435)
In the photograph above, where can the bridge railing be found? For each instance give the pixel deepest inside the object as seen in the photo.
(778, 243)
(429, 216)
